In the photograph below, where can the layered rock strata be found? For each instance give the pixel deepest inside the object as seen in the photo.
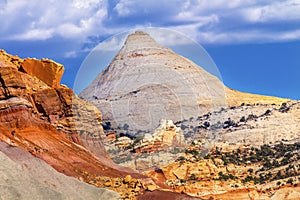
(147, 82)
(33, 87)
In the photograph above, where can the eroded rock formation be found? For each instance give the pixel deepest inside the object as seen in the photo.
(165, 136)
(46, 70)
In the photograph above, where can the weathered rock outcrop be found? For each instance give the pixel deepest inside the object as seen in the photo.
(46, 70)
(148, 151)
(165, 195)
(165, 136)
(45, 142)
(51, 123)
(254, 124)
(239, 170)
(37, 83)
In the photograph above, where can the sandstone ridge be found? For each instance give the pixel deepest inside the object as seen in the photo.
(45, 70)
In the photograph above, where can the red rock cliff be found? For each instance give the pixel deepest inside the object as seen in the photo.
(35, 85)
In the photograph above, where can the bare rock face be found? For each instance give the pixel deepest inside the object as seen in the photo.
(149, 150)
(7, 60)
(204, 170)
(286, 193)
(46, 70)
(166, 195)
(11, 83)
(169, 134)
(38, 84)
(147, 82)
(165, 136)
(254, 124)
(28, 102)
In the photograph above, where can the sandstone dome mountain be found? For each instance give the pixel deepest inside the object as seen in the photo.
(146, 82)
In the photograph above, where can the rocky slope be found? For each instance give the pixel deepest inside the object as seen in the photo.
(245, 172)
(236, 98)
(146, 150)
(147, 82)
(253, 124)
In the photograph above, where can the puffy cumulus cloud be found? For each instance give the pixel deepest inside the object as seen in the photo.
(239, 21)
(40, 20)
(36, 34)
(123, 8)
(206, 21)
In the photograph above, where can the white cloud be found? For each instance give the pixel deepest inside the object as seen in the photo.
(166, 37)
(112, 44)
(123, 7)
(235, 21)
(29, 20)
(2, 4)
(149, 8)
(276, 11)
(288, 35)
(70, 54)
(37, 34)
(188, 16)
(206, 21)
(248, 36)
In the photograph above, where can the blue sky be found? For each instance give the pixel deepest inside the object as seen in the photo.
(255, 44)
